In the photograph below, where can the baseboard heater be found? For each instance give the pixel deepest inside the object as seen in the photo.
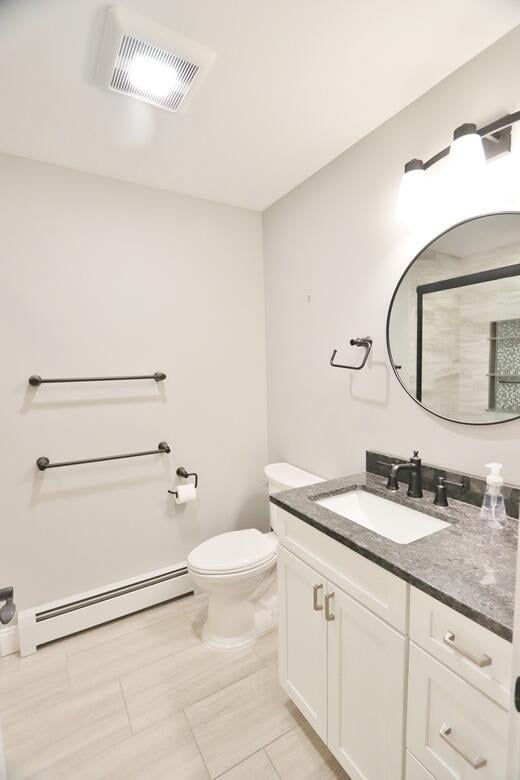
(47, 622)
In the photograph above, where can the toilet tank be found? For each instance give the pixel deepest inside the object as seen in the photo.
(285, 476)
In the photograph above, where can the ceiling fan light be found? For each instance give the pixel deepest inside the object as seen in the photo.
(154, 77)
(149, 62)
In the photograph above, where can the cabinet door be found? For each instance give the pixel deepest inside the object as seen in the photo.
(366, 691)
(415, 770)
(303, 638)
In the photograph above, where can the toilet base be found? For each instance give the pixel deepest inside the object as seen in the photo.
(227, 644)
(259, 618)
(241, 606)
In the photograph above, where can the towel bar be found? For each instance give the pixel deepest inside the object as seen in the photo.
(36, 381)
(43, 463)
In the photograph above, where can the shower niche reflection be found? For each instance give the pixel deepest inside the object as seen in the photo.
(453, 329)
(504, 366)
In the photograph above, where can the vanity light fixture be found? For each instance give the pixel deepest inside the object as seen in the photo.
(466, 151)
(411, 191)
(469, 150)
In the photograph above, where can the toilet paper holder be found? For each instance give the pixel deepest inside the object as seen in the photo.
(181, 472)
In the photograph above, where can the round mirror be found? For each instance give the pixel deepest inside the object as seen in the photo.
(453, 328)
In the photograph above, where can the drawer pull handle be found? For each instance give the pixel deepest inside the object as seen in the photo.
(328, 614)
(484, 660)
(477, 763)
(315, 603)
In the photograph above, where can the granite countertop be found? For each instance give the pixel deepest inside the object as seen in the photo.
(467, 566)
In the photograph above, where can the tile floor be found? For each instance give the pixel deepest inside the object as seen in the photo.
(142, 697)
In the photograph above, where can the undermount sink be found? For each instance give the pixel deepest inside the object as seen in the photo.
(395, 522)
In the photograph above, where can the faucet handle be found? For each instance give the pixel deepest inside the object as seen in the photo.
(461, 485)
(441, 498)
(416, 453)
(440, 492)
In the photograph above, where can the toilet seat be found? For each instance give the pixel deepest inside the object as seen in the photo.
(233, 552)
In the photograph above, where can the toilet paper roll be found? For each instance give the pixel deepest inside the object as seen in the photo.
(185, 494)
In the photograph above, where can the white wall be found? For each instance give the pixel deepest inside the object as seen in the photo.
(334, 253)
(99, 277)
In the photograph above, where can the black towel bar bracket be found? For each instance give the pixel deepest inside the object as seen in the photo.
(43, 463)
(366, 343)
(181, 472)
(36, 381)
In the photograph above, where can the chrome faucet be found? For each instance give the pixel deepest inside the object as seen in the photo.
(414, 467)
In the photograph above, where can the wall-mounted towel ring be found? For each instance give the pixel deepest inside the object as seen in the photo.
(365, 342)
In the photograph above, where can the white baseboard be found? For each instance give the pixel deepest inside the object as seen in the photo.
(9, 642)
(48, 622)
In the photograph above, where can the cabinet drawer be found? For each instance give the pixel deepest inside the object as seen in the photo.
(383, 593)
(415, 770)
(478, 655)
(453, 729)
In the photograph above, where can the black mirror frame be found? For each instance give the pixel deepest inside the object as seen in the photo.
(394, 294)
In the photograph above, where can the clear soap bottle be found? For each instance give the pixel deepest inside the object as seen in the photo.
(493, 511)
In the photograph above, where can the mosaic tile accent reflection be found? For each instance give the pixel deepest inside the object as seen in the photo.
(508, 365)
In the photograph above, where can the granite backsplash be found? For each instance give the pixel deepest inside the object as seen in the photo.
(472, 491)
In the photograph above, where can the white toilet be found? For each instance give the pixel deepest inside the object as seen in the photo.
(238, 571)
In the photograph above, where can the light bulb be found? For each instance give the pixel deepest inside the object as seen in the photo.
(467, 168)
(411, 200)
(154, 77)
(467, 157)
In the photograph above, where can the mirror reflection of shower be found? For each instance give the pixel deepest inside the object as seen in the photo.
(454, 325)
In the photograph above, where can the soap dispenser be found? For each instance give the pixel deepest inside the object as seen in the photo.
(493, 511)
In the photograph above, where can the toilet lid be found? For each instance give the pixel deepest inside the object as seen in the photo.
(233, 552)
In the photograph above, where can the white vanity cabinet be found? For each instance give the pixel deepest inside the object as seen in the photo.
(344, 668)
(396, 683)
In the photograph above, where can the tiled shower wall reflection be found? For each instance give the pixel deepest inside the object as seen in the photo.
(456, 333)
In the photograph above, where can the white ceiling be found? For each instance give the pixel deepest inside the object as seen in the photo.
(480, 235)
(295, 82)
